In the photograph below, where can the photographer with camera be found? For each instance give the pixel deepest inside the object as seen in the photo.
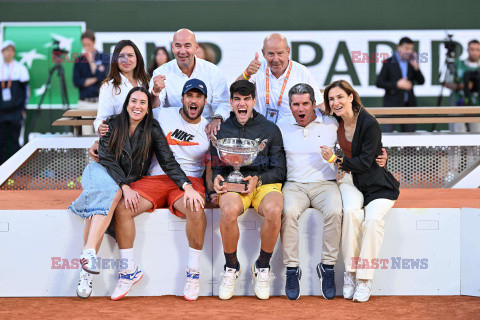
(466, 85)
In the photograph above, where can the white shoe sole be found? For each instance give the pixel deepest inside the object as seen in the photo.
(357, 300)
(123, 295)
(189, 299)
(90, 270)
(81, 297)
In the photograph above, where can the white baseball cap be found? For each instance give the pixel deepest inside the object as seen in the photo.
(7, 43)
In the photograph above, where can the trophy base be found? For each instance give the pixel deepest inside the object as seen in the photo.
(235, 187)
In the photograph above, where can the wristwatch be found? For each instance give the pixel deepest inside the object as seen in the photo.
(154, 93)
(218, 116)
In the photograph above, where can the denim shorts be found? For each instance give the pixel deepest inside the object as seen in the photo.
(99, 190)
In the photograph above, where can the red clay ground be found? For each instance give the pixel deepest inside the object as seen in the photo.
(168, 307)
(409, 198)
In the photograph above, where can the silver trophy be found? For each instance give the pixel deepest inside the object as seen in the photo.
(237, 152)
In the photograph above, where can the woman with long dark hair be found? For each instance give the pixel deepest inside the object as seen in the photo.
(127, 70)
(368, 190)
(125, 153)
(160, 56)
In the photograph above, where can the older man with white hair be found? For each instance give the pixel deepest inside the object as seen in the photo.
(275, 76)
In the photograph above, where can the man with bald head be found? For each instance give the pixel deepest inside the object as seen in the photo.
(168, 80)
(275, 76)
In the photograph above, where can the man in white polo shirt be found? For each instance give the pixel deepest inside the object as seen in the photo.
(310, 183)
(168, 80)
(275, 76)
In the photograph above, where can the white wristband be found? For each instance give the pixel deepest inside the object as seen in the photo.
(154, 93)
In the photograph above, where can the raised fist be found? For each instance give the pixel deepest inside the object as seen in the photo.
(159, 83)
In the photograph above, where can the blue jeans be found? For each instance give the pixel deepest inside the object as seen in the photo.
(99, 190)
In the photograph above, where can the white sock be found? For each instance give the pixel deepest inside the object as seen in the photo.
(194, 258)
(127, 254)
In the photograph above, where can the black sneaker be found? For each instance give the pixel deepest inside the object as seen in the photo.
(327, 281)
(292, 285)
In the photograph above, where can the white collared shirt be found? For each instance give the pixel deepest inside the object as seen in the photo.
(218, 99)
(188, 142)
(299, 74)
(14, 71)
(305, 163)
(110, 100)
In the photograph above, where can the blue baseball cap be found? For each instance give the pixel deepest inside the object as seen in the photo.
(195, 84)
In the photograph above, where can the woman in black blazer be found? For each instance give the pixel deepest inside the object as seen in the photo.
(368, 190)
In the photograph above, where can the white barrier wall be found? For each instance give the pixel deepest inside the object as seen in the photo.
(446, 239)
(470, 252)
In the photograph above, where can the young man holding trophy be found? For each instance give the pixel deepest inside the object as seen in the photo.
(252, 145)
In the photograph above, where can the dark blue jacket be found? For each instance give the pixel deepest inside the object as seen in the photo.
(82, 71)
(270, 165)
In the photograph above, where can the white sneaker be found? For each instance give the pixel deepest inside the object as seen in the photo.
(192, 285)
(261, 281)
(89, 261)
(84, 288)
(227, 284)
(126, 279)
(363, 290)
(348, 285)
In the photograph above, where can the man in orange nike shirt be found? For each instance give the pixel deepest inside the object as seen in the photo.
(185, 131)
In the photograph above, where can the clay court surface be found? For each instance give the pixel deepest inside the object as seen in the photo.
(168, 307)
(409, 198)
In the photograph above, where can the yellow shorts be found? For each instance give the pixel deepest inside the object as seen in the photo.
(254, 198)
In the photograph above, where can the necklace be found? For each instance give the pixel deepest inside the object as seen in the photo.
(185, 123)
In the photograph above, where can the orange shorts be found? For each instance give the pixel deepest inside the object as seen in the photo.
(162, 191)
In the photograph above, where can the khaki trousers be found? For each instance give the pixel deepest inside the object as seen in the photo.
(362, 230)
(324, 196)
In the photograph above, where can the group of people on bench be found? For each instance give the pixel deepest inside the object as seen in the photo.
(155, 137)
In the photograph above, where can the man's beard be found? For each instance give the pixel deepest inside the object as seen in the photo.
(199, 114)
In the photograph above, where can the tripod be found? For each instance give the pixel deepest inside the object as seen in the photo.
(448, 75)
(63, 89)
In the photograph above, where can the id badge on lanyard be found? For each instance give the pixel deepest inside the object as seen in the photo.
(6, 94)
(272, 114)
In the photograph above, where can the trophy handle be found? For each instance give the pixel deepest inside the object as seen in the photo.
(262, 145)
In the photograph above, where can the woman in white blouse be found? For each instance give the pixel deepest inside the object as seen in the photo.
(127, 70)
